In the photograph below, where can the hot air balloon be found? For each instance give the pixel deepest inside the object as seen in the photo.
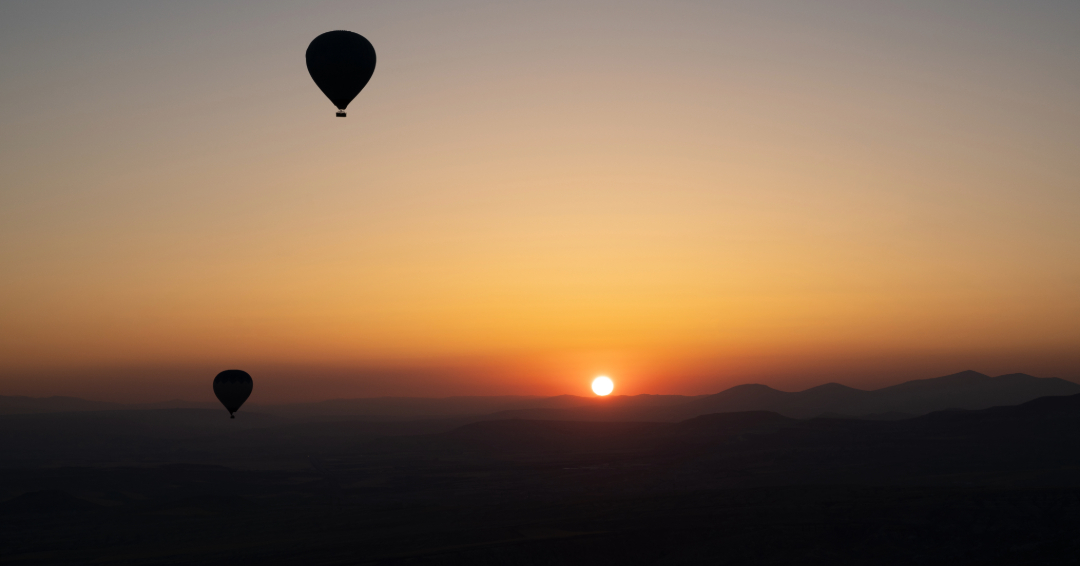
(232, 388)
(341, 64)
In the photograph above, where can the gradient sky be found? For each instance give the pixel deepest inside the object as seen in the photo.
(682, 195)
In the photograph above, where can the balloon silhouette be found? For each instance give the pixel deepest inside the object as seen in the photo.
(232, 388)
(341, 64)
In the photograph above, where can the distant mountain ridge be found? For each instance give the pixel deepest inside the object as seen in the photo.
(373, 408)
(22, 405)
(1028, 443)
(18, 404)
(965, 390)
(406, 407)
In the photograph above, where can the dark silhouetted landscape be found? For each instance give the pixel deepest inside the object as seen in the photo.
(748, 476)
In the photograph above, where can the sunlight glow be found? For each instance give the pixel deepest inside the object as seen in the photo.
(603, 385)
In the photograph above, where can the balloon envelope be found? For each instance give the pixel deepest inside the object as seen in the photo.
(232, 388)
(341, 63)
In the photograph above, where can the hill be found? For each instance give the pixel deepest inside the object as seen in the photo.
(966, 390)
(991, 486)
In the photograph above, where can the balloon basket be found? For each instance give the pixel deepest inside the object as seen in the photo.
(341, 114)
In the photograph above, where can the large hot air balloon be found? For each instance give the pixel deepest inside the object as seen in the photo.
(341, 64)
(232, 388)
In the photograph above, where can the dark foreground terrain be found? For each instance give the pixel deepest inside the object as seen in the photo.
(184, 486)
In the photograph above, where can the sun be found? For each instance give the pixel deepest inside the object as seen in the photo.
(603, 385)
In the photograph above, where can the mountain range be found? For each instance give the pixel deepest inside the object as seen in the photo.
(991, 486)
(965, 390)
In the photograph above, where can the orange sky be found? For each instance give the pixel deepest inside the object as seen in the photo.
(685, 196)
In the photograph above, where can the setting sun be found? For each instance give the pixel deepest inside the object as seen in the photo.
(603, 385)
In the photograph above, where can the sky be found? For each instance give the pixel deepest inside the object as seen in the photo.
(682, 195)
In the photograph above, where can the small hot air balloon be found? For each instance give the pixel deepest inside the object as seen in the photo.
(341, 64)
(232, 388)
